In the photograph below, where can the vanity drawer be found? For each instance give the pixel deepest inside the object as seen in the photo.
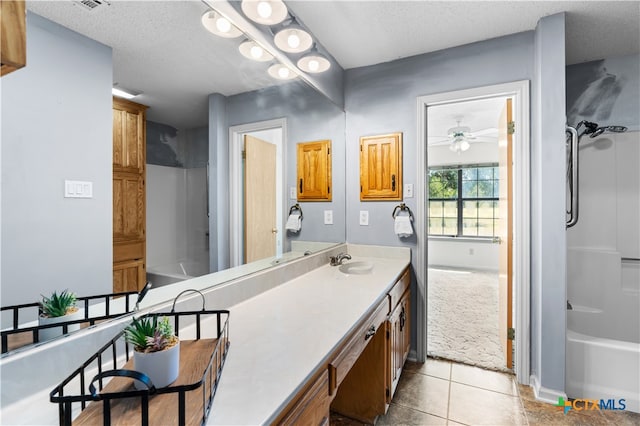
(395, 294)
(348, 356)
(312, 407)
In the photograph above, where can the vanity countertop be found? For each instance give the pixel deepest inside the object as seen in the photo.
(280, 337)
(280, 332)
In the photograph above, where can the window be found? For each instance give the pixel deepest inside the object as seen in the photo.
(463, 201)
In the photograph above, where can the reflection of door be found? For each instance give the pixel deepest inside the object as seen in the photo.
(129, 218)
(259, 199)
(504, 232)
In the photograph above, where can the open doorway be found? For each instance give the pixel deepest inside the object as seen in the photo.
(257, 194)
(469, 216)
(520, 213)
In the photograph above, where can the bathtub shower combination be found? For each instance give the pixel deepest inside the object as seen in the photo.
(603, 265)
(163, 275)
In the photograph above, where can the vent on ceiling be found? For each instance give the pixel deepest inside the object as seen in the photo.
(91, 4)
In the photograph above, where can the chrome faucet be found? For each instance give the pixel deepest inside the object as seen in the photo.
(337, 260)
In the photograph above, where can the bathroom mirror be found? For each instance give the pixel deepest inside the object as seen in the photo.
(34, 263)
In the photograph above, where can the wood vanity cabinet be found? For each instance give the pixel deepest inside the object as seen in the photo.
(360, 376)
(399, 342)
(314, 171)
(129, 195)
(13, 37)
(381, 167)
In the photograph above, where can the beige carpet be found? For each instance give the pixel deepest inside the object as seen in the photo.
(462, 320)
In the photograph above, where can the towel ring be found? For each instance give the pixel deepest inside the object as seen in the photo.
(296, 207)
(401, 207)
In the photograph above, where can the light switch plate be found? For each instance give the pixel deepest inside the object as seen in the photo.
(328, 217)
(78, 189)
(292, 193)
(364, 217)
(408, 190)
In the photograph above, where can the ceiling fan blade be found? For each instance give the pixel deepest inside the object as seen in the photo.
(487, 131)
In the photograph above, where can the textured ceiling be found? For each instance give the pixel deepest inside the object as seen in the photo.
(160, 48)
(360, 33)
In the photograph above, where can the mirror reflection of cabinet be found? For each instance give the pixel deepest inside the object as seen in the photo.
(129, 196)
(381, 167)
(14, 36)
(314, 171)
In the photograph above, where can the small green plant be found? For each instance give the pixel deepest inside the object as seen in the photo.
(58, 305)
(150, 334)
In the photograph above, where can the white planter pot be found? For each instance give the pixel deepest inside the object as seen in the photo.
(162, 367)
(53, 332)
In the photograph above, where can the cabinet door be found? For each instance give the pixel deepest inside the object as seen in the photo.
(128, 207)
(128, 137)
(128, 276)
(312, 408)
(399, 341)
(381, 167)
(314, 171)
(13, 36)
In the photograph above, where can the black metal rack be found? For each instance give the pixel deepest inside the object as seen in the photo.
(210, 326)
(31, 311)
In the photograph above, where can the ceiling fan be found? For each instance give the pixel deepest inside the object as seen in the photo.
(459, 137)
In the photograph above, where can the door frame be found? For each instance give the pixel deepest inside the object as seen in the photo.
(519, 91)
(236, 142)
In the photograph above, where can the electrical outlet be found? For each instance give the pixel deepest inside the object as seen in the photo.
(328, 217)
(364, 217)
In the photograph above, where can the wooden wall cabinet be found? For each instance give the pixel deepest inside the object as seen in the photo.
(381, 167)
(314, 171)
(13, 37)
(129, 196)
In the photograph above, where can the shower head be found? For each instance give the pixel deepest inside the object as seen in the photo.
(612, 129)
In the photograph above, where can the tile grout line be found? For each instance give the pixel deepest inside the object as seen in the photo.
(449, 393)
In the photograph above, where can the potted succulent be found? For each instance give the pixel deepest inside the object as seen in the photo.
(59, 307)
(156, 350)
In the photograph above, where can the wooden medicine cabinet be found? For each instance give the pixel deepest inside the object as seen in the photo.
(314, 171)
(14, 36)
(381, 167)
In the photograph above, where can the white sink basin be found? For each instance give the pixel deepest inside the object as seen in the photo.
(357, 267)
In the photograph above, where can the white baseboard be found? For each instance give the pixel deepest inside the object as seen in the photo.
(413, 356)
(544, 394)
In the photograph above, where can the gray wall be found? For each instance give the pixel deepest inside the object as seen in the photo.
(382, 99)
(310, 117)
(605, 91)
(56, 125)
(548, 236)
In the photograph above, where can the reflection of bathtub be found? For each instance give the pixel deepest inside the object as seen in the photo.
(603, 328)
(162, 275)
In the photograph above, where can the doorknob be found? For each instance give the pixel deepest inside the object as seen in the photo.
(274, 230)
(497, 240)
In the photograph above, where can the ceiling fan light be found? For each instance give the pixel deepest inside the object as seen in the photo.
(219, 25)
(281, 72)
(265, 12)
(293, 39)
(251, 50)
(464, 145)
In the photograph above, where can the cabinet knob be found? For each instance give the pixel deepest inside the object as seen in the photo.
(370, 332)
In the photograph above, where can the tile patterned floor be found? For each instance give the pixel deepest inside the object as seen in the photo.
(440, 392)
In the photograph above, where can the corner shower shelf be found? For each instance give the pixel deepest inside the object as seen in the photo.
(187, 401)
